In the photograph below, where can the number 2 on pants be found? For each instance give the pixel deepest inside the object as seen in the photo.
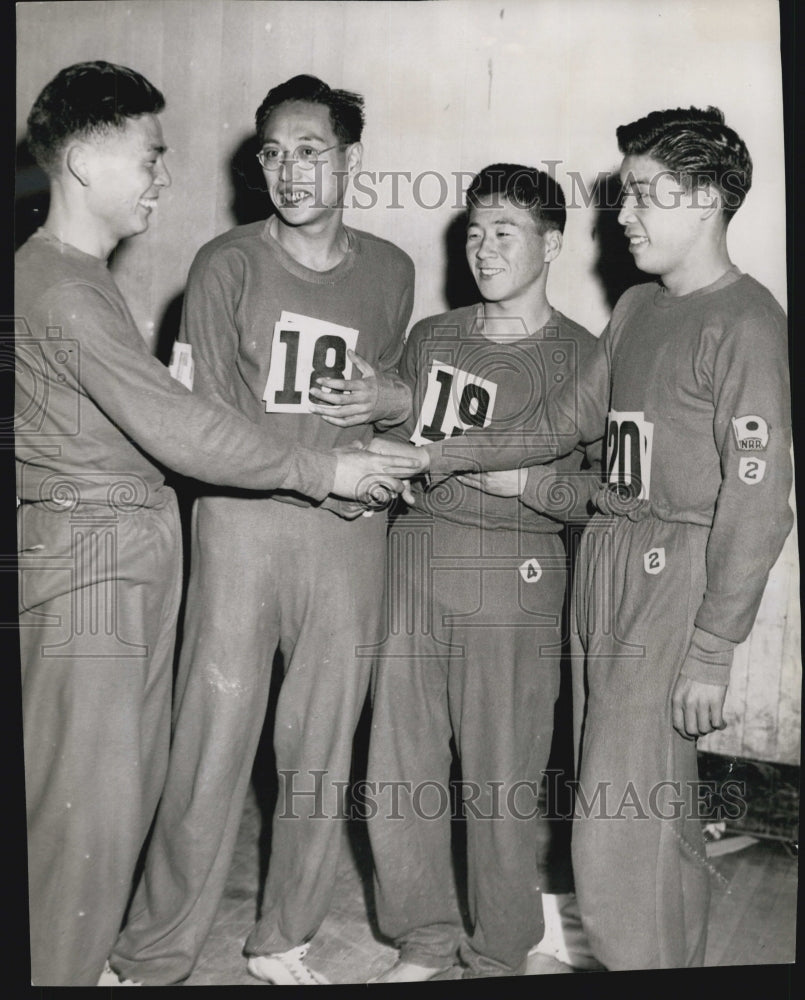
(454, 401)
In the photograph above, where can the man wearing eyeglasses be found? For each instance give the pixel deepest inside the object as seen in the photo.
(280, 311)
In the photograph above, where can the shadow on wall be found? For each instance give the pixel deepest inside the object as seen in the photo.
(615, 268)
(459, 285)
(250, 201)
(31, 196)
(169, 328)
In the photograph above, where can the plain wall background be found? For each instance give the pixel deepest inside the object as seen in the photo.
(451, 86)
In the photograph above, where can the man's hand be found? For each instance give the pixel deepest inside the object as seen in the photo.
(348, 402)
(507, 483)
(697, 708)
(385, 446)
(371, 478)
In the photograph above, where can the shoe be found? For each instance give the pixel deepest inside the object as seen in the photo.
(408, 972)
(285, 968)
(564, 938)
(110, 978)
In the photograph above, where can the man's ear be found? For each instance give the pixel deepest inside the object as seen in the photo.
(76, 162)
(553, 244)
(709, 199)
(354, 158)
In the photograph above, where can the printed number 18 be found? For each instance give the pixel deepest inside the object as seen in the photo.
(320, 369)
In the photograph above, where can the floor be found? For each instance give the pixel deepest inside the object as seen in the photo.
(347, 948)
(752, 919)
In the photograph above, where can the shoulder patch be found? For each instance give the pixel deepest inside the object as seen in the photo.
(751, 433)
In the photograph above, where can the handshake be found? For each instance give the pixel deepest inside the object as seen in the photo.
(374, 474)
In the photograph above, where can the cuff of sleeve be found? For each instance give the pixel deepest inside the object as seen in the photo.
(451, 455)
(311, 473)
(709, 658)
(393, 403)
(349, 510)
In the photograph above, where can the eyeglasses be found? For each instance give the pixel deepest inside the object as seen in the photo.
(272, 158)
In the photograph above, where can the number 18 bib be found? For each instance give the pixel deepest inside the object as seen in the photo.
(305, 349)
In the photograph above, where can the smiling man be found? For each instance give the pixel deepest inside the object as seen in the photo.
(489, 574)
(276, 310)
(96, 415)
(690, 378)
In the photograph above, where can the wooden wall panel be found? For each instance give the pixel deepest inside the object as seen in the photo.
(763, 707)
(450, 87)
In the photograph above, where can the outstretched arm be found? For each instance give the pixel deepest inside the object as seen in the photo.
(561, 490)
(573, 411)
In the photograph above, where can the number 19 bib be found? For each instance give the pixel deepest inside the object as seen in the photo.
(454, 402)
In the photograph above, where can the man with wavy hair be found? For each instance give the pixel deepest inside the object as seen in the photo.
(690, 378)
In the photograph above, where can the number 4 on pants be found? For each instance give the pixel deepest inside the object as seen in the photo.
(531, 570)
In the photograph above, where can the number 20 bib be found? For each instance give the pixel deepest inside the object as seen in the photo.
(454, 402)
(629, 443)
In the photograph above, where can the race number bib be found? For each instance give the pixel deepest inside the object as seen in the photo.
(454, 402)
(181, 365)
(629, 442)
(305, 349)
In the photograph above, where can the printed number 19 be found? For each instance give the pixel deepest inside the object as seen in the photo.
(471, 393)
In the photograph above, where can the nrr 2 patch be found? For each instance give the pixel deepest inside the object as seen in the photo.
(751, 470)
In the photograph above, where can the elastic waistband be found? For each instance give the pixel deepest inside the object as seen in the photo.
(122, 492)
(620, 501)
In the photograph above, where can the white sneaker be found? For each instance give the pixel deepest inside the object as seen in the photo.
(564, 938)
(407, 972)
(285, 968)
(110, 978)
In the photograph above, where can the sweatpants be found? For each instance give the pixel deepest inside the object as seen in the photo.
(473, 653)
(264, 575)
(641, 873)
(99, 595)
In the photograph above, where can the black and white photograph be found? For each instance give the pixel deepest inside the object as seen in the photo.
(406, 568)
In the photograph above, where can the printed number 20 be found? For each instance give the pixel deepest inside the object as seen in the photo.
(623, 445)
(328, 342)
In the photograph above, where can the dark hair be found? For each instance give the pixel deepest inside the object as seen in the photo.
(346, 108)
(525, 187)
(90, 98)
(697, 147)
